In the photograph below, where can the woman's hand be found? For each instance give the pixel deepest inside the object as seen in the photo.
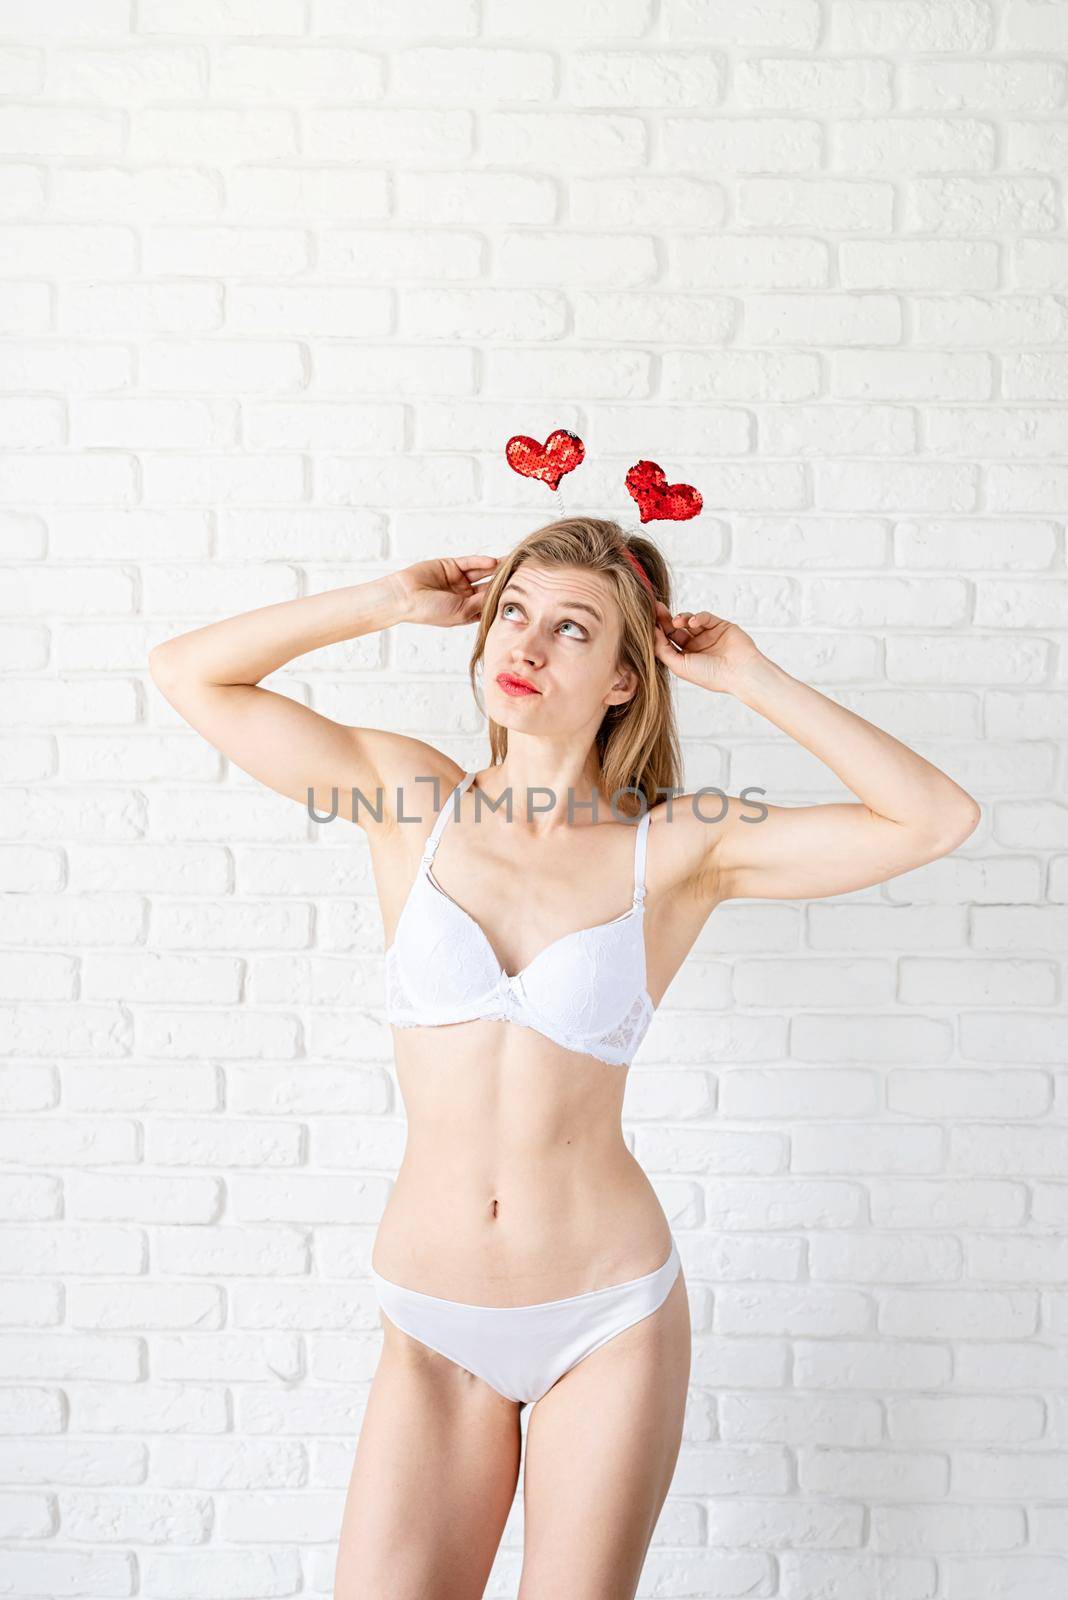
(441, 592)
(702, 648)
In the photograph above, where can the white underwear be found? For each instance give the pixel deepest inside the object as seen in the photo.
(521, 1351)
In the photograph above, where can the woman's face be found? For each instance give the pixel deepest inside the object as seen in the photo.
(558, 629)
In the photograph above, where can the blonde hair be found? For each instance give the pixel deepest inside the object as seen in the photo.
(637, 742)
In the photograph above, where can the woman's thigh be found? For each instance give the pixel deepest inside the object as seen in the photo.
(433, 1480)
(601, 1449)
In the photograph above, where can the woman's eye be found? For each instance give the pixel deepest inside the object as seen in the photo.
(568, 622)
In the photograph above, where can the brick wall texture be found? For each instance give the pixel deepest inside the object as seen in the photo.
(280, 279)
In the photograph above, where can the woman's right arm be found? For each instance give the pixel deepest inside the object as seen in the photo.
(211, 678)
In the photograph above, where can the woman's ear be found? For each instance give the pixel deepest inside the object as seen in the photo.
(624, 686)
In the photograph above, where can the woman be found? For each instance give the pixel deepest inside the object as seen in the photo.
(523, 1258)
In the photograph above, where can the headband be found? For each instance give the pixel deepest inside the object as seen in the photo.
(639, 569)
(647, 484)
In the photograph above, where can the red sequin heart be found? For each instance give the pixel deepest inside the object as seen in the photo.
(561, 453)
(658, 500)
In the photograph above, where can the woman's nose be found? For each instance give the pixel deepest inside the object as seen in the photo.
(529, 644)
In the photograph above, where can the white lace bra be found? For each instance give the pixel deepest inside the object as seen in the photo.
(585, 991)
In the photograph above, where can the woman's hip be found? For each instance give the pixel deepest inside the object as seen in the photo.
(524, 1242)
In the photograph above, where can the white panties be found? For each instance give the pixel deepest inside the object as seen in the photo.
(521, 1351)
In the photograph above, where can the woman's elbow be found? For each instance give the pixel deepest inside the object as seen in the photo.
(963, 823)
(162, 663)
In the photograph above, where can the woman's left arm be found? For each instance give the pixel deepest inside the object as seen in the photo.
(908, 812)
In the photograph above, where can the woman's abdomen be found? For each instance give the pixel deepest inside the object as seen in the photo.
(516, 1184)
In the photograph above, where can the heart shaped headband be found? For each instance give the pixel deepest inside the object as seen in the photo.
(647, 485)
(639, 569)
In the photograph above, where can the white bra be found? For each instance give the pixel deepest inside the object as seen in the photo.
(585, 991)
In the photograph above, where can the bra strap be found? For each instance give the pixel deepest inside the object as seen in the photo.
(639, 858)
(442, 818)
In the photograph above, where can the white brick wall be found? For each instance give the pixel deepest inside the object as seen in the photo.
(280, 279)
